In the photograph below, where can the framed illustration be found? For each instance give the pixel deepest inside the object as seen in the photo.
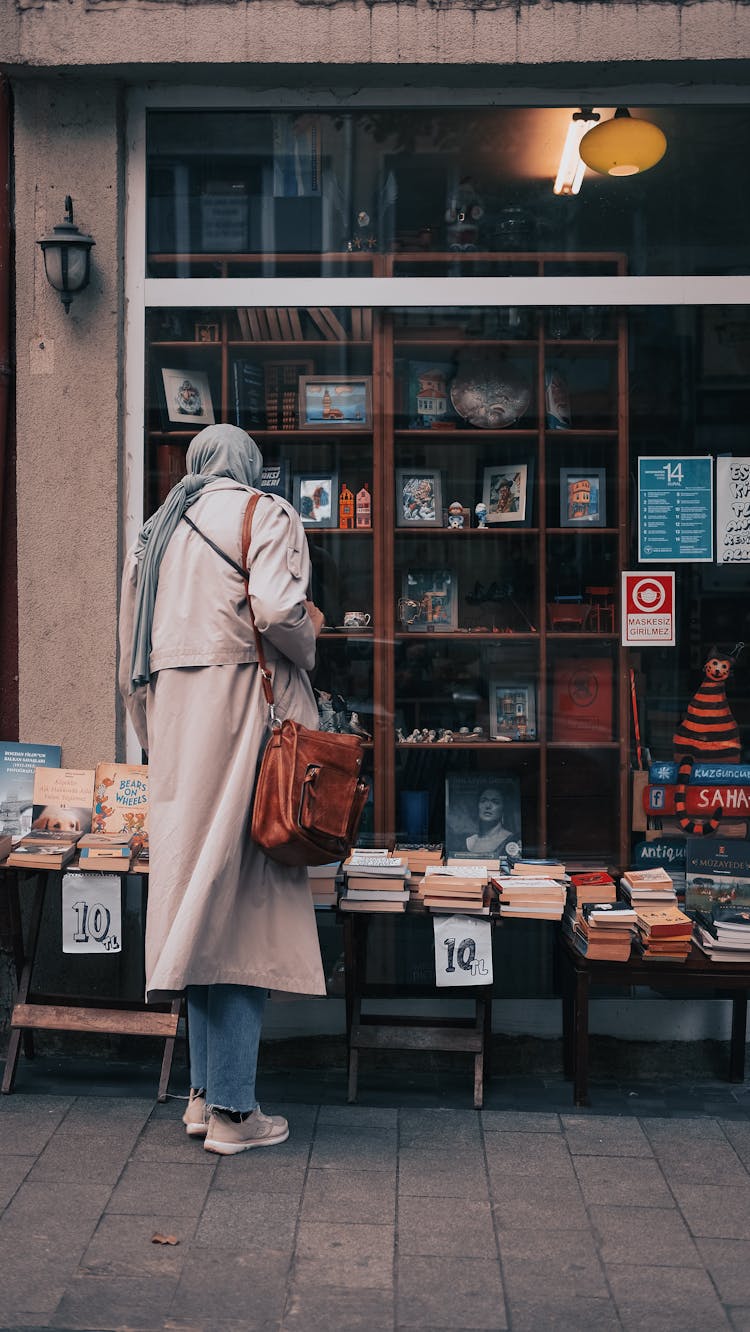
(341, 402)
(583, 497)
(482, 816)
(316, 498)
(206, 332)
(419, 497)
(187, 398)
(512, 710)
(504, 492)
(430, 601)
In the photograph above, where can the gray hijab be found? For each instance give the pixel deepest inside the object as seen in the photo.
(219, 450)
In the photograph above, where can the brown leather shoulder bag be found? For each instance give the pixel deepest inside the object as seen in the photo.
(309, 791)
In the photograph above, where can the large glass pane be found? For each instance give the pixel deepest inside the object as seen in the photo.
(246, 193)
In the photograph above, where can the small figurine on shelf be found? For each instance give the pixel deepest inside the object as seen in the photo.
(346, 507)
(326, 713)
(456, 514)
(364, 507)
(354, 728)
(463, 216)
(363, 237)
(445, 737)
(480, 510)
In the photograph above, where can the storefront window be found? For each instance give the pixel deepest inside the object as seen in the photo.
(242, 193)
(469, 481)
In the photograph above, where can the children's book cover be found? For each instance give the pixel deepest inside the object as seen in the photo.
(18, 763)
(62, 800)
(121, 799)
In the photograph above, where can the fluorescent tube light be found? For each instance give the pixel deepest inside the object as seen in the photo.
(570, 171)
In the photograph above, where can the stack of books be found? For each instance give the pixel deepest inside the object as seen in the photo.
(648, 887)
(724, 935)
(547, 868)
(524, 897)
(44, 850)
(110, 852)
(456, 888)
(664, 933)
(601, 931)
(418, 858)
(323, 885)
(375, 881)
(591, 886)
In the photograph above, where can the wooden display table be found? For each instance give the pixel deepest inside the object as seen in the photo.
(378, 1031)
(44, 1012)
(697, 972)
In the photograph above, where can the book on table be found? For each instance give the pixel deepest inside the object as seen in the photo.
(18, 763)
(6, 845)
(539, 868)
(63, 799)
(346, 904)
(120, 802)
(50, 851)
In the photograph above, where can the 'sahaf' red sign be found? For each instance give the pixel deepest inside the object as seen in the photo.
(648, 608)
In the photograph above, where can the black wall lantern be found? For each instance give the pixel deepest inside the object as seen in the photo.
(67, 257)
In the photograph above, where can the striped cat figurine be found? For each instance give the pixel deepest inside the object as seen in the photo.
(708, 731)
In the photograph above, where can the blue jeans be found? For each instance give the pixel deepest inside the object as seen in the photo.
(224, 1023)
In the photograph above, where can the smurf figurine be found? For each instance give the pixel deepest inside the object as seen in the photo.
(480, 510)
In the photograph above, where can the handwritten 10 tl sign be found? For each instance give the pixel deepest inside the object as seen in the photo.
(733, 510)
(463, 951)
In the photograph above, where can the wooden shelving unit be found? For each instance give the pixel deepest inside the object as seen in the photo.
(569, 787)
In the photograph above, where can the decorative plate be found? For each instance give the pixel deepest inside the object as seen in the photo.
(489, 394)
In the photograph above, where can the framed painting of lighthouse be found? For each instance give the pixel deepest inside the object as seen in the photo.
(583, 497)
(338, 402)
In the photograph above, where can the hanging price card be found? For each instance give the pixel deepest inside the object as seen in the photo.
(91, 913)
(463, 951)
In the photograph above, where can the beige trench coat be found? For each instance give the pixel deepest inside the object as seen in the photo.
(220, 912)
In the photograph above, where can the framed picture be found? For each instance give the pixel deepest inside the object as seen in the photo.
(482, 816)
(430, 601)
(187, 398)
(316, 498)
(206, 332)
(512, 710)
(419, 497)
(583, 497)
(335, 403)
(504, 490)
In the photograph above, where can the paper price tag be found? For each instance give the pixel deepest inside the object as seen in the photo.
(91, 913)
(463, 951)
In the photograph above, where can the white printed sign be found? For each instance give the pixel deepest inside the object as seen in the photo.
(732, 510)
(91, 913)
(463, 951)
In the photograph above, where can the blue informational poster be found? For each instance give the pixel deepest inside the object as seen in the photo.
(675, 510)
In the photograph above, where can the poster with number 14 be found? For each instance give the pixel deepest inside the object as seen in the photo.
(675, 510)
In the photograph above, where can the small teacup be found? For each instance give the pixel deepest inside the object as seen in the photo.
(356, 619)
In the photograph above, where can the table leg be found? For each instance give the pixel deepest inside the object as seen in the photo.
(488, 1036)
(581, 1039)
(166, 1063)
(739, 1033)
(24, 984)
(566, 984)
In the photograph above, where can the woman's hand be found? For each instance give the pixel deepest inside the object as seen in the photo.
(317, 616)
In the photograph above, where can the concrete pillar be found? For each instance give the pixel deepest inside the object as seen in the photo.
(67, 141)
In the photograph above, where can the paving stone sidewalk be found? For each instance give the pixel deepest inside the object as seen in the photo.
(373, 1218)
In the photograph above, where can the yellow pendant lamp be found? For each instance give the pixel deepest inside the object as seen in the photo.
(623, 146)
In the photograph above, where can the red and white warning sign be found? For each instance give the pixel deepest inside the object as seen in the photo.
(648, 608)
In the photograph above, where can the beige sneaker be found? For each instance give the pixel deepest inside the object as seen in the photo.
(258, 1130)
(195, 1117)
